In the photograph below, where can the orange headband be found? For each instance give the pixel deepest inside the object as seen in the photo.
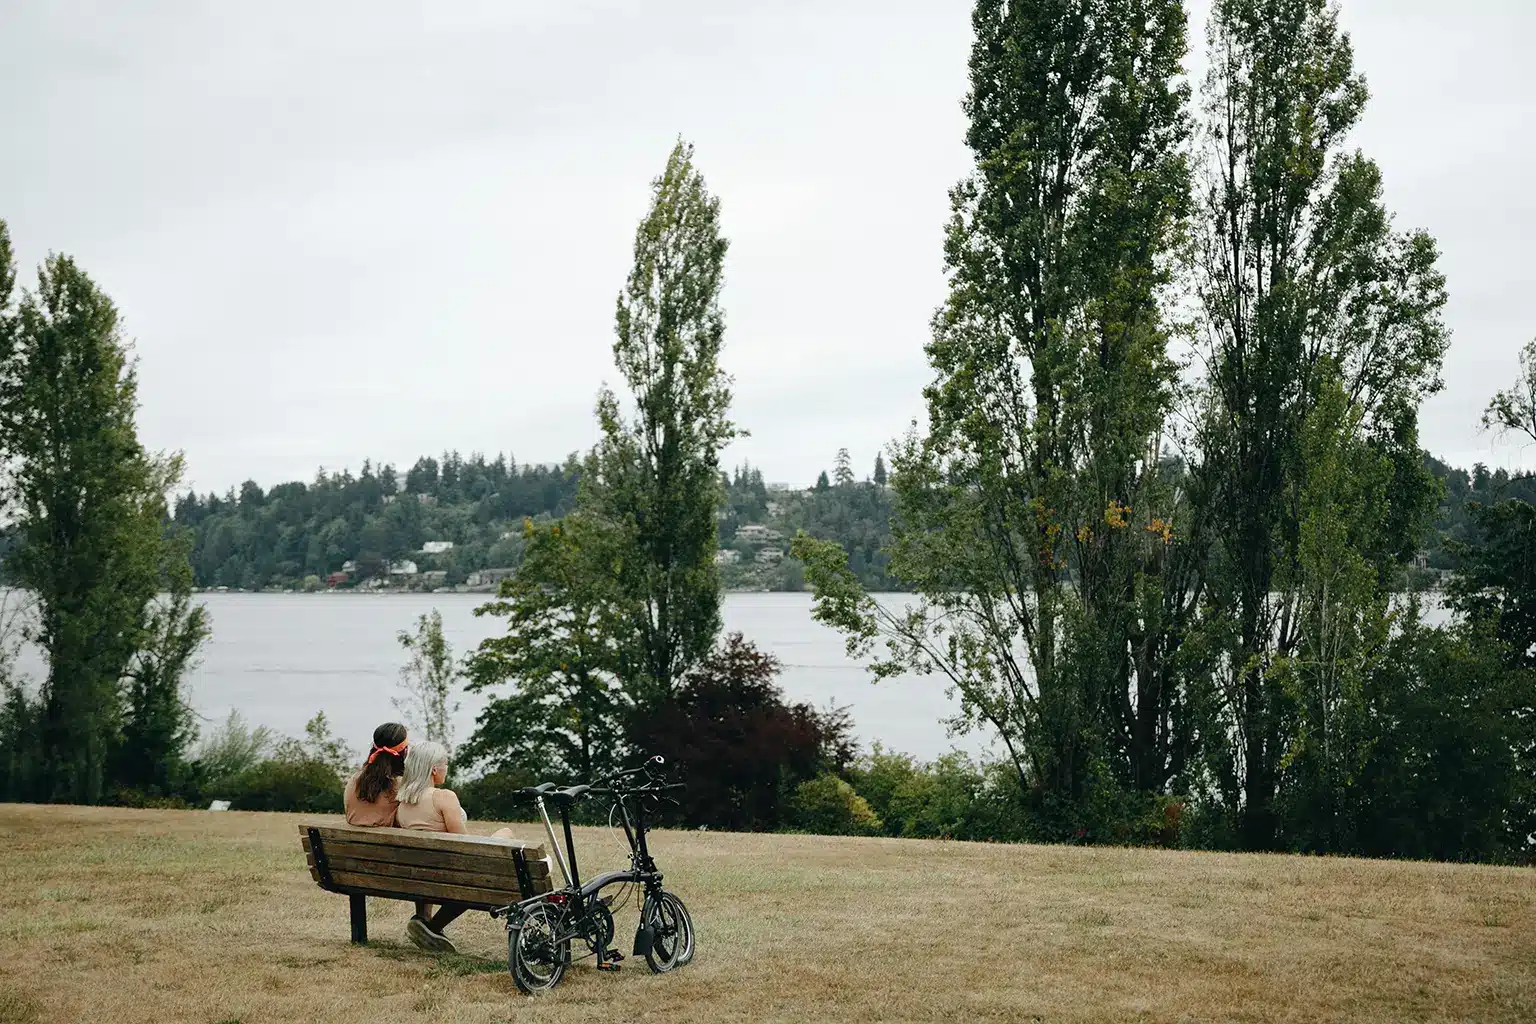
(397, 750)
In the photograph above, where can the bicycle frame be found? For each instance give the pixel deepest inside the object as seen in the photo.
(642, 865)
(578, 911)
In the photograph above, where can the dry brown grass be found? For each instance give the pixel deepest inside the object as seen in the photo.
(114, 915)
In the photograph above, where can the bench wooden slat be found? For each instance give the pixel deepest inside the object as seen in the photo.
(388, 894)
(538, 868)
(445, 841)
(404, 888)
(425, 874)
(336, 862)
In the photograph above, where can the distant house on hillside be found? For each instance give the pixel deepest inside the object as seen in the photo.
(436, 547)
(770, 556)
(726, 556)
(404, 567)
(489, 577)
(348, 567)
(336, 579)
(757, 533)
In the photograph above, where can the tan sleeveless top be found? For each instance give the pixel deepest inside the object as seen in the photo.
(430, 813)
(379, 814)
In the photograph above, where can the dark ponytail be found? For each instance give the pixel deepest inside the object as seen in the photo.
(383, 766)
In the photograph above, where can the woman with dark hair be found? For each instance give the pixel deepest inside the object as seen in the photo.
(369, 799)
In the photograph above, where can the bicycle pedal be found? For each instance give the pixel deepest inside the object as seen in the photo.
(611, 968)
(613, 956)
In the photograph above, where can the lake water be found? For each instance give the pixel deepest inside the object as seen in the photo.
(279, 658)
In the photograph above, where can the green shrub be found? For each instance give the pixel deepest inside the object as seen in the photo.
(883, 778)
(951, 798)
(148, 799)
(828, 805)
(232, 748)
(493, 796)
(286, 784)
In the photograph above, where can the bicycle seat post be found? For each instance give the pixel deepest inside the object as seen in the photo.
(554, 844)
(574, 878)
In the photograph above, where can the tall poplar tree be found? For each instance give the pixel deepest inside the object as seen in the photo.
(89, 514)
(656, 471)
(1051, 384)
(1323, 334)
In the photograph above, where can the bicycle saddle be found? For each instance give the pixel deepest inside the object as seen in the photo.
(542, 789)
(568, 795)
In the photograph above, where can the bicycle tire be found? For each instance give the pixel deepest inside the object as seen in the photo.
(672, 938)
(535, 959)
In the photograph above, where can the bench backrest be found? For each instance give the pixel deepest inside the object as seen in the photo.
(398, 863)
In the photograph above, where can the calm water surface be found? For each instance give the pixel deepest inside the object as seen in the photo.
(279, 658)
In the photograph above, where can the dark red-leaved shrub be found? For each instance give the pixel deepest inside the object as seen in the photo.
(742, 750)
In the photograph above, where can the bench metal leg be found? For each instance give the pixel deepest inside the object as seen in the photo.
(359, 919)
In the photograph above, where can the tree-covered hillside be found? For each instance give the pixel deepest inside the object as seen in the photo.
(1462, 490)
(297, 534)
(252, 539)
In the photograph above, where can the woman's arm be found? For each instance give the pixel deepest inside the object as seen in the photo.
(452, 811)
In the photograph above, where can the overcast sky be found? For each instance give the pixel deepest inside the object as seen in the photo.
(382, 229)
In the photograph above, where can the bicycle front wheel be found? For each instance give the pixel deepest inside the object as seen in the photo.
(537, 956)
(672, 939)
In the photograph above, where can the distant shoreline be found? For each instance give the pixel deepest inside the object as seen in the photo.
(402, 592)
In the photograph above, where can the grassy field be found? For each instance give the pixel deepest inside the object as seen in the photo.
(113, 915)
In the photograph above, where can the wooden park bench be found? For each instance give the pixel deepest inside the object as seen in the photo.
(401, 864)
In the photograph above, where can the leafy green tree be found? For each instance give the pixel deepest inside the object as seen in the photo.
(1051, 384)
(822, 483)
(1496, 581)
(858, 519)
(422, 478)
(1450, 769)
(1344, 624)
(88, 508)
(318, 746)
(1302, 279)
(556, 678)
(159, 726)
(1514, 409)
(429, 680)
(232, 749)
(655, 474)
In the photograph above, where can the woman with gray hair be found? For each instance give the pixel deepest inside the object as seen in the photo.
(427, 807)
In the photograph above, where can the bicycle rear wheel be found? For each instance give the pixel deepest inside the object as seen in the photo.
(672, 941)
(536, 955)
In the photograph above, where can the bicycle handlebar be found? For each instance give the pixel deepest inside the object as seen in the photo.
(612, 785)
